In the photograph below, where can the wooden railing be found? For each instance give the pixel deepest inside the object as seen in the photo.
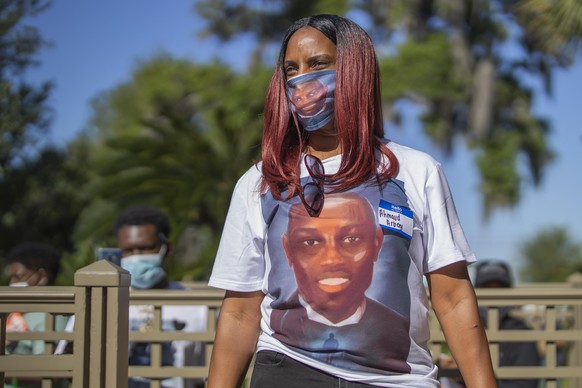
(100, 302)
(555, 316)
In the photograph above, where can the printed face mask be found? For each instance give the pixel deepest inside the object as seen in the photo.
(145, 270)
(311, 97)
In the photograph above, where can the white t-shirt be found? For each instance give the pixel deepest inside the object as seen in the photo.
(358, 267)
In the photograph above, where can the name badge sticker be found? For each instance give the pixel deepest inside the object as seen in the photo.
(395, 218)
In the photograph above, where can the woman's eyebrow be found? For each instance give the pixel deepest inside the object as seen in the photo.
(320, 56)
(314, 58)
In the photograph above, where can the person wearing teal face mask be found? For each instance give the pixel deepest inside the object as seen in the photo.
(143, 236)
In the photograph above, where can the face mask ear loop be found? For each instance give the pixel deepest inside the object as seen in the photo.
(162, 237)
(163, 251)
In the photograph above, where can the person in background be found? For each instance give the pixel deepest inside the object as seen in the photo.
(320, 145)
(142, 235)
(497, 274)
(31, 264)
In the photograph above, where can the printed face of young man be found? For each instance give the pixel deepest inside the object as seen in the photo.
(309, 97)
(333, 255)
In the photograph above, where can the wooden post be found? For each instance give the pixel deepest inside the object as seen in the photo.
(101, 326)
(575, 354)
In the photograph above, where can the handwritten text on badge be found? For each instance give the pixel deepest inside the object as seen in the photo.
(395, 218)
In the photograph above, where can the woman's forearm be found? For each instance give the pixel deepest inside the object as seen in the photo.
(236, 339)
(468, 344)
(455, 305)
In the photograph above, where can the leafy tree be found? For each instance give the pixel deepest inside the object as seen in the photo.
(40, 199)
(37, 181)
(551, 256)
(552, 27)
(177, 136)
(267, 21)
(456, 58)
(24, 112)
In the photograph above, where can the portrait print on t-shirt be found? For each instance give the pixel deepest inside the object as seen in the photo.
(339, 280)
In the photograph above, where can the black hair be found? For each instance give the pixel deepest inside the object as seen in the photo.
(34, 256)
(328, 25)
(143, 215)
(493, 271)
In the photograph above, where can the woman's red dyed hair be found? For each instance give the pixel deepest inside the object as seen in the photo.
(358, 113)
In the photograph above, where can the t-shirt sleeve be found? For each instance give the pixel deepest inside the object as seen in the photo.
(445, 240)
(240, 262)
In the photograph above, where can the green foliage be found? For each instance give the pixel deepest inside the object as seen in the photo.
(267, 21)
(551, 256)
(177, 136)
(449, 57)
(227, 18)
(39, 200)
(423, 72)
(552, 27)
(497, 165)
(451, 64)
(429, 71)
(24, 117)
(516, 132)
(24, 114)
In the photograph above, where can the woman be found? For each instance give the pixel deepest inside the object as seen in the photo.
(327, 240)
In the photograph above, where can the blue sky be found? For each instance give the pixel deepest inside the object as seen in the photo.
(96, 45)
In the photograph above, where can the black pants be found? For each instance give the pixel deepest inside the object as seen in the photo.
(273, 369)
